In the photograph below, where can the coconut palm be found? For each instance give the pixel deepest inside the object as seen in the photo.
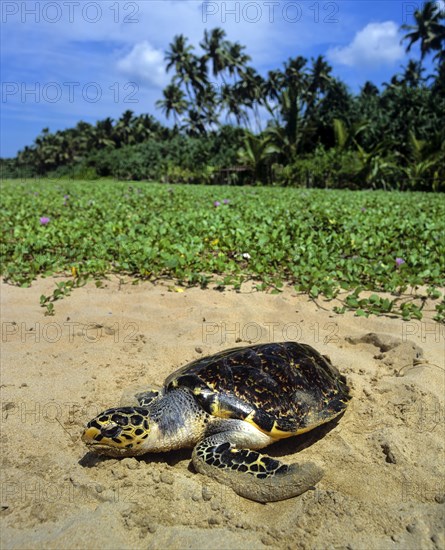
(427, 30)
(216, 50)
(319, 79)
(288, 89)
(233, 104)
(250, 92)
(194, 123)
(255, 153)
(208, 105)
(412, 75)
(124, 131)
(369, 89)
(189, 70)
(103, 134)
(179, 55)
(174, 101)
(237, 59)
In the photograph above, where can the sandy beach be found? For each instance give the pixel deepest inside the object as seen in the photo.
(384, 470)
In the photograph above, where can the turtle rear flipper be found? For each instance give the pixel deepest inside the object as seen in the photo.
(251, 474)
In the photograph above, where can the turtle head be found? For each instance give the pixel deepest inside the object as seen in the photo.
(124, 431)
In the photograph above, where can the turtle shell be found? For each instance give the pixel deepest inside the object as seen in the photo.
(282, 388)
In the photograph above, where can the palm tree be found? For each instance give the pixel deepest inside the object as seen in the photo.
(82, 135)
(144, 127)
(288, 90)
(317, 125)
(216, 50)
(438, 86)
(319, 83)
(394, 83)
(424, 159)
(208, 105)
(319, 80)
(124, 128)
(188, 67)
(197, 76)
(191, 75)
(237, 58)
(195, 123)
(174, 101)
(232, 103)
(255, 153)
(51, 151)
(369, 89)
(103, 134)
(179, 55)
(412, 75)
(427, 30)
(344, 135)
(374, 168)
(250, 91)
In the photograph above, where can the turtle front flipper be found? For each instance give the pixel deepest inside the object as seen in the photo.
(251, 474)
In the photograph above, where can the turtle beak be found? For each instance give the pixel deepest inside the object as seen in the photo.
(89, 434)
(93, 435)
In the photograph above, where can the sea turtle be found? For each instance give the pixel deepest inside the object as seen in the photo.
(224, 406)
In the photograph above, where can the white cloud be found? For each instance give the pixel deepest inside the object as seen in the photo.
(146, 63)
(375, 44)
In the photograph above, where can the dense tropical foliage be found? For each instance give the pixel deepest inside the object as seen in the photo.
(296, 126)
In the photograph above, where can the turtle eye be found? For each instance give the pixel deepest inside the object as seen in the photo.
(112, 431)
(120, 419)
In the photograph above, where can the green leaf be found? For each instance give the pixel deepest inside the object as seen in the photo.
(361, 313)
(314, 291)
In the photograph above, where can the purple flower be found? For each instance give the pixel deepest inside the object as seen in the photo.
(226, 201)
(66, 197)
(44, 220)
(399, 261)
(363, 209)
(216, 203)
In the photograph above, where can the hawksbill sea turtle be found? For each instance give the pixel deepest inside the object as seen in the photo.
(226, 406)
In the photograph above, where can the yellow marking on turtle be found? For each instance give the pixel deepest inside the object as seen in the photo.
(217, 410)
(277, 433)
(258, 461)
(89, 434)
(274, 433)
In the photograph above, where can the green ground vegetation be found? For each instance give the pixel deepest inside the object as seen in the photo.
(321, 241)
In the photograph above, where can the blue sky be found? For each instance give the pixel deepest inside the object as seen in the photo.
(83, 60)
